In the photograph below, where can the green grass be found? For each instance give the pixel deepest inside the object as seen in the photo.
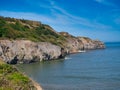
(12, 79)
(18, 78)
(11, 28)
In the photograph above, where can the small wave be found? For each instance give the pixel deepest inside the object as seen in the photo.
(66, 58)
(81, 51)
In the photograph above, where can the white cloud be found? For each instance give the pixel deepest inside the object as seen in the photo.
(25, 15)
(75, 19)
(64, 19)
(106, 2)
(60, 19)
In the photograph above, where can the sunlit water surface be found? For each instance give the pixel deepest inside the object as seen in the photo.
(92, 70)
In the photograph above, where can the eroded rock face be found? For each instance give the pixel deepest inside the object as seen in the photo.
(25, 51)
(82, 43)
(76, 44)
(89, 44)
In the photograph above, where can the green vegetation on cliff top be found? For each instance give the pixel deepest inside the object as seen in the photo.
(12, 79)
(11, 28)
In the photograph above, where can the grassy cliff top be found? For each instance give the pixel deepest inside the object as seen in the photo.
(20, 29)
(12, 79)
(11, 28)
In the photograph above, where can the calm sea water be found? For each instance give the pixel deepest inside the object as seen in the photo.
(92, 70)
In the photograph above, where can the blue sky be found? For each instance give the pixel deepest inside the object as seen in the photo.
(97, 19)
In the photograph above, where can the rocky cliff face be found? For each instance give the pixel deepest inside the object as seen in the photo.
(25, 51)
(89, 44)
(75, 44)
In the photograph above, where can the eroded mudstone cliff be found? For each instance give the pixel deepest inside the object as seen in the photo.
(25, 51)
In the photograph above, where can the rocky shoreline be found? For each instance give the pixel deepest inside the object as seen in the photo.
(36, 85)
(26, 51)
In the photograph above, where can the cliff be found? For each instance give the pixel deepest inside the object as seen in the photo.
(25, 51)
(25, 41)
(75, 44)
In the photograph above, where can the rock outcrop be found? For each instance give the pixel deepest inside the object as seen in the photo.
(89, 44)
(75, 44)
(25, 51)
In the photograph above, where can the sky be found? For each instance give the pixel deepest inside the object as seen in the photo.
(97, 19)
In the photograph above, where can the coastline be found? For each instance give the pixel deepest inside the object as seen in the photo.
(37, 85)
(11, 78)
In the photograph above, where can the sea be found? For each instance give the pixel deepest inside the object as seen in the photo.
(90, 70)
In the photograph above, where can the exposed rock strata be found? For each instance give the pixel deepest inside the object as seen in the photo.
(75, 44)
(25, 51)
